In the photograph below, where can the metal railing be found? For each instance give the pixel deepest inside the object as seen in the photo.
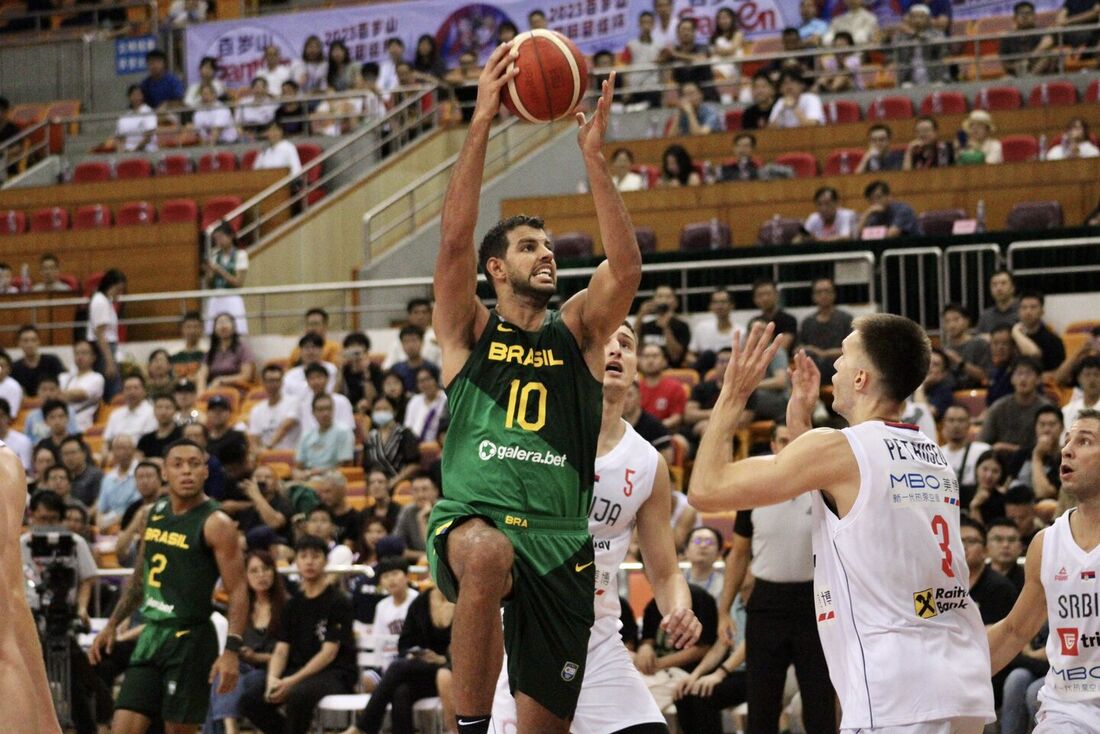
(908, 293)
(1081, 253)
(86, 15)
(966, 271)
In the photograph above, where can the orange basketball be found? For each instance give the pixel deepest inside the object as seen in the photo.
(552, 79)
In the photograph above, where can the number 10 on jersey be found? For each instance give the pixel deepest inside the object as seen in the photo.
(519, 405)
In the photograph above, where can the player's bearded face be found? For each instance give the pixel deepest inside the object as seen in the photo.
(533, 278)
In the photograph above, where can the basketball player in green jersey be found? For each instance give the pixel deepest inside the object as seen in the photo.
(524, 392)
(187, 543)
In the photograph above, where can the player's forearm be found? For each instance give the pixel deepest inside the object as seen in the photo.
(238, 609)
(670, 589)
(131, 599)
(616, 229)
(714, 457)
(460, 204)
(1005, 642)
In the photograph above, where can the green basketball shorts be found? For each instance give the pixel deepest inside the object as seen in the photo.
(168, 675)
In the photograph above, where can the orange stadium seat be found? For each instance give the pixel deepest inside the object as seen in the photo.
(223, 161)
(13, 221)
(803, 164)
(136, 212)
(843, 161)
(1053, 94)
(179, 210)
(993, 99)
(1082, 327)
(174, 165)
(91, 172)
(943, 103)
(51, 219)
(683, 375)
(890, 108)
(134, 168)
(92, 216)
(842, 110)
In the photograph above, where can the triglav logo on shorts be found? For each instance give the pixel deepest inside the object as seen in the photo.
(569, 672)
(487, 450)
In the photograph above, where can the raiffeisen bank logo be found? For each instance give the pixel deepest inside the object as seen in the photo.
(487, 451)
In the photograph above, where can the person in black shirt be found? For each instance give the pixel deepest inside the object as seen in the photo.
(765, 296)
(218, 413)
(993, 594)
(362, 377)
(764, 93)
(1032, 337)
(315, 655)
(1002, 543)
(270, 504)
(384, 508)
(653, 648)
(291, 113)
(332, 490)
(29, 370)
(647, 426)
(664, 328)
(693, 60)
(743, 167)
(153, 444)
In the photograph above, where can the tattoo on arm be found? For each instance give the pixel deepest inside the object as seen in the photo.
(134, 592)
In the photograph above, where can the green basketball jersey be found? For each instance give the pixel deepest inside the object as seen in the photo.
(179, 571)
(525, 418)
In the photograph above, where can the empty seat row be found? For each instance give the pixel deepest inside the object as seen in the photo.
(98, 216)
(176, 164)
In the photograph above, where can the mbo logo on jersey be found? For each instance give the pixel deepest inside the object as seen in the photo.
(487, 450)
(919, 488)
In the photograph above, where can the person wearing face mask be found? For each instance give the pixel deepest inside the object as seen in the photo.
(390, 446)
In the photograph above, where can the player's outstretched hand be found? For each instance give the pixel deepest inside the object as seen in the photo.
(493, 77)
(748, 363)
(805, 386)
(591, 132)
(228, 667)
(681, 628)
(102, 645)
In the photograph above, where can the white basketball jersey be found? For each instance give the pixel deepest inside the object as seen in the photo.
(903, 639)
(624, 481)
(1069, 577)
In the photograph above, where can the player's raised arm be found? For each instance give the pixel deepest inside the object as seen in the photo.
(610, 293)
(456, 265)
(1009, 636)
(221, 534)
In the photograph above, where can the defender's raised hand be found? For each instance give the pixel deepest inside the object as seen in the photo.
(805, 391)
(747, 364)
(591, 133)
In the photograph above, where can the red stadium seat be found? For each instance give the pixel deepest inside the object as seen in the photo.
(306, 153)
(316, 195)
(13, 222)
(647, 239)
(733, 119)
(91, 172)
(1053, 94)
(890, 108)
(651, 174)
(52, 219)
(842, 110)
(93, 216)
(573, 244)
(843, 161)
(1019, 148)
(993, 99)
(939, 223)
(1092, 94)
(943, 103)
(136, 212)
(217, 207)
(248, 159)
(174, 165)
(698, 236)
(175, 211)
(803, 164)
(92, 282)
(1034, 215)
(134, 168)
(223, 161)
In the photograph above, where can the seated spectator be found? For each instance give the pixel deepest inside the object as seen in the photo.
(84, 476)
(625, 179)
(715, 684)
(153, 444)
(393, 388)
(1039, 468)
(186, 362)
(879, 155)
(389, 615)
(1066, 375)
(316, 322)
(1005, 308)
(897, 217)
(691, 60)
(1020, 508)
(343, 71)
(279, 152)
(985, 500)
(423, 649)
(698, 117)
(764, 94)
(273, 422)
(796, 107)
(319, 524)
(222, 438)
(135, 416)
(325, 446)
(704, 547)
(118, 489)
(603, 61)
(1024, 55)
(831, 221)
(859, 22)
(274, 70)
(657, 323)
(939, 384)
(311, 71)
(53, 422)
(418, 313)
(15, 440)
(1033, 338)
(59, 480)
(1002, 356)
(315, 655)
(427, 408)
(916, 411)
(332, 491)
(840, 72)
(967, 355)
(792, 45)
(384, 508)
(10, 389)
(256, 110)
(926, 150)
(362, 377)
(49, 276)
(1077, 13)
(267, 601)
(137, 129)
(662, 666)
(463, 83)
(161, 87)
(961, 453)
(213, 121)
(412, 343)
(6, 278)
(271, 504)
(208, 74)
(769, 400)
(727, 42)
(148, 483)
(647, 426)
(1009, 424)
(765, 296)
(412, 522)
(813, 28)
(102, 329)
(1076, 142)
(822, 332)
(1002, 543)
(713, 333)
(42, 459)
(186, 395)
(1087, 381)
(677, 168)
(920, 49)
(229, 361)
(977, 145)
(390, 446)
(83, 387)
(662, 397)
(992, 593)
(744, 167)
(292, 113)
(700, 404)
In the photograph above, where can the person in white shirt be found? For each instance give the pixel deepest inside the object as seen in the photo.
(714, 332)
(135, 418)
(273, 423)
(624, 178)
(208, 74)
(831, 221)
(82, 388)
(857, 20)
(136, 130)
(961, 453)
(102, 329)
(10, 390)
(1088, 383)
(425, 409)
(389, 615)
(418, 313)
(796, 107)
(387, 68)
(310, 351)
(256, 111)
(118, 488)
(664, 27)
(213, 121)
(1076, 143)
(274, 71)
(311, 71)
(15, 440)
(279, 153)
(343, 414)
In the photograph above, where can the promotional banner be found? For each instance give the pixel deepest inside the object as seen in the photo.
(593, 25)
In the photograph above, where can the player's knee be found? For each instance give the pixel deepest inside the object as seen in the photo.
(484, 553)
